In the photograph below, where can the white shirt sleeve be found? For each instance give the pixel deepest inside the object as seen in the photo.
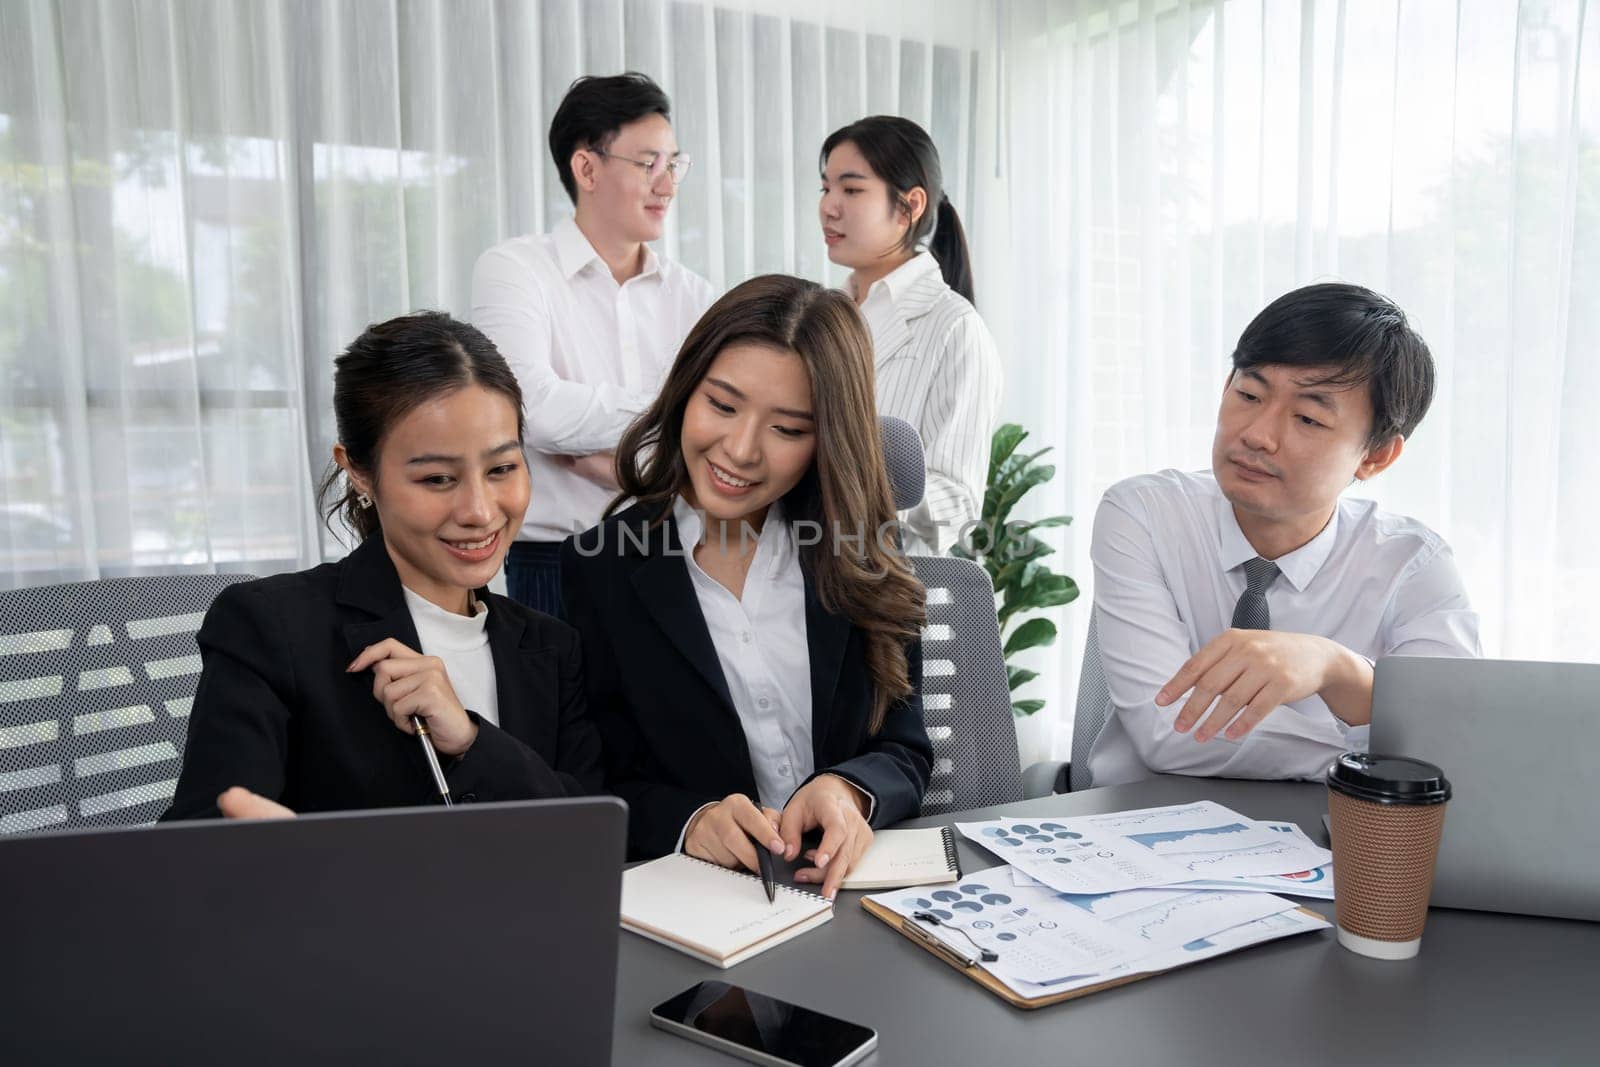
(564, 416)
(872, 801)
(1143, 641)
(956, 427)
(686, 823)
(1429, 614)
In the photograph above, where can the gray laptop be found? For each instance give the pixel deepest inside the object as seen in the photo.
(1520, 744)
(483, 933)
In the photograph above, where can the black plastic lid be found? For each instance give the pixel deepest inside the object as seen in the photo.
(1388, 779)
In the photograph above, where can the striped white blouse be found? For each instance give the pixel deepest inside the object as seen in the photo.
(938, 369)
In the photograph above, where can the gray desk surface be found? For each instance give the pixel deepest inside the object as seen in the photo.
(1486, 989)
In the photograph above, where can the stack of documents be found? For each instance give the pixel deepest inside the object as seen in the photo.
(1087, 900)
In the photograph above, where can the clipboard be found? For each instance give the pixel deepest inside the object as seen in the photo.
(914, 933)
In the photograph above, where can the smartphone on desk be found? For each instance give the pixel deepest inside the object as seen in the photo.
(762, 1029)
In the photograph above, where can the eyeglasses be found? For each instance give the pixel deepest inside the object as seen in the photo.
(655, 164)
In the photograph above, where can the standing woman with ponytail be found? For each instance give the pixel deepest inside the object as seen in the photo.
(937, 368)
(309, 682)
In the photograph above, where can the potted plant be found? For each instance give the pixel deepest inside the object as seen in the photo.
(1013, 554)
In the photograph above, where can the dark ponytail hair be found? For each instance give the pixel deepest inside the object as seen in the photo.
(386, 372)
(902, 154)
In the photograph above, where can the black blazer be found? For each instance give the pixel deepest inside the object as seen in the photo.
(672, 739)
(276, 713)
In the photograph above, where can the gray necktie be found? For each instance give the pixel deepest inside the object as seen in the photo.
(1251, 613)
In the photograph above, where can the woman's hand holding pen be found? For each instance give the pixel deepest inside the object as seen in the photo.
(728, 833)
(408, 683)
(839, 808)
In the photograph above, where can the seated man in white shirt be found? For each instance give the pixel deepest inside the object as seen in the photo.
(1239, 610)
(588, 316)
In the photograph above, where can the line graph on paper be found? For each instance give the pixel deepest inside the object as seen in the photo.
(1177, 921)
(1207, 838)
(1120, 822)
(1151, 923)
(1201, 864)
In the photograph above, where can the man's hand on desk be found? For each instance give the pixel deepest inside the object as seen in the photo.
(1249, 673)
(598, 467)
(240, 803)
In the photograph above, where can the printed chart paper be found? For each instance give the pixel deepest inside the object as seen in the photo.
(1200, 845)
(1047, 941)
(1072, 858)
(1211, 841)
(1283, 924)
(1316, 883)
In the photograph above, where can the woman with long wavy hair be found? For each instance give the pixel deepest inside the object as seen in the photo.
(750, 627)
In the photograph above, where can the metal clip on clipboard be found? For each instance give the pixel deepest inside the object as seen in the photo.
(943, 947)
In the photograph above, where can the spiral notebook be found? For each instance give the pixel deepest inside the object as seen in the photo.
(712, 913)
(907, 857)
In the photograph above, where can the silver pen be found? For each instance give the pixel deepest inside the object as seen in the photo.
(421, 726)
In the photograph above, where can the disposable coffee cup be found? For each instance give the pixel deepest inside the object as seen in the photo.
(1386, 814)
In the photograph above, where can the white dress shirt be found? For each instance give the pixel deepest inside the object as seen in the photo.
(760, 639)
(462, 642)
(1169, 567)
(938, 369)
(589, 354)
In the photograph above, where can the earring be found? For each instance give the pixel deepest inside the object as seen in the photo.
(363, 500)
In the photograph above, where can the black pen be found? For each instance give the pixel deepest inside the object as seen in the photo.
(768, 881)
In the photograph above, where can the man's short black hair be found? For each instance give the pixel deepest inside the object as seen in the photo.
(592, 112)
(1362, 335)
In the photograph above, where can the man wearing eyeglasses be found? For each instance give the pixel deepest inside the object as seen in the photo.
(588, 315)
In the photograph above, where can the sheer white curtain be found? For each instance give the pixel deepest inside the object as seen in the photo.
(1173, 165)
(202, 201)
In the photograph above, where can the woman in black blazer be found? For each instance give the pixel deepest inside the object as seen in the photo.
(310, 681)
(750, 628)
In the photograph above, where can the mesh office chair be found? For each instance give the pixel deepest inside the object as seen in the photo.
(966, 700)
(1089, 718)
(96, 682)
(1094, 708)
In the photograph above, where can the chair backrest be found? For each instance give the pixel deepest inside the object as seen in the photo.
(96, 682)
(965, 696)
(966, 699)
(902, 454)
(1094, 708)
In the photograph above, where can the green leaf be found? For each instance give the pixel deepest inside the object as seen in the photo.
(1005, 441)
(1006, 577)
(1016, 676)
(1039, 524)
(1047, 591)
(1011, 470)
(1023, 549)
(978, 544)
(1031, 634)
(1033, 476)
(1011, 579)
(1006, 474)
(1023, 708)
(1018, 462)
